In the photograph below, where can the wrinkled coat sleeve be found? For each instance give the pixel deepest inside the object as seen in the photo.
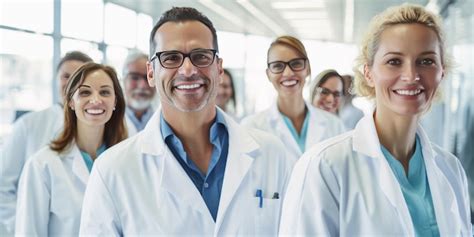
(11, 164)
(99, 216)
(32, 215)
(311, 206)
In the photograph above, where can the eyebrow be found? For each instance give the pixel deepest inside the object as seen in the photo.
(90, 86)
(398, 53)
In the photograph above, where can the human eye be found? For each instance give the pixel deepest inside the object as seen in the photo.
(297, 63)
(427, 62)
(105, 92)
(277, 66)
(201, 57)
(84, 92)
(170, 58)
(394, 62)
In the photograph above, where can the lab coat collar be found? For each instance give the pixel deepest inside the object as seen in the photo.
(442, 194)
(79, 167)
(366, 141)
(242, 151)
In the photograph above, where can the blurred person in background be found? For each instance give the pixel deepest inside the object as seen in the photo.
(226, 94)
(348, 112)
(327, 91)
(30, 133)
(296, 123)
(138, 94)
(53, 182)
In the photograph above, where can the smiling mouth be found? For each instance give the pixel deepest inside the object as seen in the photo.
(188, 86)
(408, 92)
(95, 111)
(289, 82)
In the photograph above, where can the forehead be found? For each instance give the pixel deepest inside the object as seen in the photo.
(70, 66)
(333, 82)
(98, 78)
(280, 52)
(183, 36)
(138, 65)
(409, 38)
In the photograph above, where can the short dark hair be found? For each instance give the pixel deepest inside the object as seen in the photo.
(180, 14)
(74, 55)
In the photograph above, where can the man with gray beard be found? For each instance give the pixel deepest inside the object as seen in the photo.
(138, 94)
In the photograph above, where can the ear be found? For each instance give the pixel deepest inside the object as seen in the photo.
(221, 70)
(368, 76)
(71, 105)
(150, 74)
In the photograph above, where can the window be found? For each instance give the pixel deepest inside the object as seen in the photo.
(120, 26)
(91, 49)
(26, 14)
(144, 26)
(82, 19)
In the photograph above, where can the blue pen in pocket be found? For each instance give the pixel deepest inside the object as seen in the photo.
(259, 194)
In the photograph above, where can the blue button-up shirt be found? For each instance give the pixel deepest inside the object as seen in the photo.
(139, 123)
(209, 184)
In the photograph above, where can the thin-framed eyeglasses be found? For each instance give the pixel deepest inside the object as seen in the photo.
(297, 64)
(326, 92)
(173, 59)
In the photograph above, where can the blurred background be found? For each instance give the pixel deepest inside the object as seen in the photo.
(35, 34)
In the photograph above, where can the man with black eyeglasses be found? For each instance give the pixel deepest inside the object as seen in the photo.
(138, 94)
(193, 170)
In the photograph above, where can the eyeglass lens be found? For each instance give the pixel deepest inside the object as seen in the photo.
(295, 65)
(199, 58)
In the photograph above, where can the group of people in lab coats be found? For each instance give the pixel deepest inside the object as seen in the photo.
(193, 170)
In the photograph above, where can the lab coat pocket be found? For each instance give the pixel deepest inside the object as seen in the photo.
(267, 215)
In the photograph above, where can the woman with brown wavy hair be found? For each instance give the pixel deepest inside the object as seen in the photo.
(53, 182)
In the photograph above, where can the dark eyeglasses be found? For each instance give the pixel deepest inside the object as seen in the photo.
(296, 65)
(326, 92)
(174, 59)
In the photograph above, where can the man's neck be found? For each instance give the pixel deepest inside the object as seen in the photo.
(193, 129)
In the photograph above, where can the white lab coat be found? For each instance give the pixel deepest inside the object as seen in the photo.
(345, 187)
(138, 188)
(321, 125)
(131, 129)
(50, 194)
(30, 133)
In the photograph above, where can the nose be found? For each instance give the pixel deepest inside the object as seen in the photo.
(287, 71)
(330, 98)
(187, 69)
(410, 73)
(95, 99)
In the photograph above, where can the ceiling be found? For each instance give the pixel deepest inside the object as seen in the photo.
(325, 20)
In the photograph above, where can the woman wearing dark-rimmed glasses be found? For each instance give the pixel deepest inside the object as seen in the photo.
(327, 91)
(298, 124)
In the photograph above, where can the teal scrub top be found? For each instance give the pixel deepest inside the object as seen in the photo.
(416, 191)
(87, 158)
(299, 138)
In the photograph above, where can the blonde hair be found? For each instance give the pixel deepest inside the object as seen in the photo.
(293, 43)
(403, 14)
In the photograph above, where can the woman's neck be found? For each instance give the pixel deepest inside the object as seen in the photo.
(89, 138)
(295, 109)
(397, 133)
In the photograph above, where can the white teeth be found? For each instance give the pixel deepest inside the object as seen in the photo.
(408, 92)
(188, 87)
(289, 83)
(95, 111)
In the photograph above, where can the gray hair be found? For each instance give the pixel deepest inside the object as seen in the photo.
(131, 58)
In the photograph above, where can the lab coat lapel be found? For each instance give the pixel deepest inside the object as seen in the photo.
(239, 161)
(442, 194)
(284, 134)
(173, 177)
(367, 142)
(79, 167)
